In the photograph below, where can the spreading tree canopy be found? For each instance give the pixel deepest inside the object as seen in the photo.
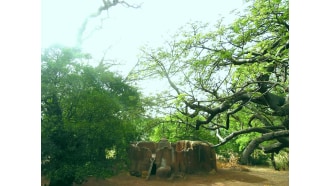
(88, 116)
(229, 78)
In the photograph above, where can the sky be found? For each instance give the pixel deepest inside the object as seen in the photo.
(27, 26)
(61, 20)
(127, 29)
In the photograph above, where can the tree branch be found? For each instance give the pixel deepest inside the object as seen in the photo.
(255, 129)
(255, 143)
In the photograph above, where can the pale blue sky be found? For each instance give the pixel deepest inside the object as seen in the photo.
(127, 29)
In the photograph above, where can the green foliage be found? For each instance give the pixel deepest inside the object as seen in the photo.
(85, 110)
(258, 157)
(281, 160)
(234, 77)
(174, 130)
(242, 141)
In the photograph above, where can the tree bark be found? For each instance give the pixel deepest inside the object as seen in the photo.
(274, 148)
(255, 143)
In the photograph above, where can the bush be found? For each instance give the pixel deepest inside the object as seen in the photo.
(280, 161)
(258, 157)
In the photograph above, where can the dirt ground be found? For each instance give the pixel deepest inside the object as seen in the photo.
(241, 176)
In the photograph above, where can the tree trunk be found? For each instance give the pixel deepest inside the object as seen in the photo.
(273, 161)
(255, 143)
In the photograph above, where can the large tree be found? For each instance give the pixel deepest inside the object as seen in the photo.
(229, 78)
(88, 115)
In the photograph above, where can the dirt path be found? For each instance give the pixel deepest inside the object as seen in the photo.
(249, 176)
